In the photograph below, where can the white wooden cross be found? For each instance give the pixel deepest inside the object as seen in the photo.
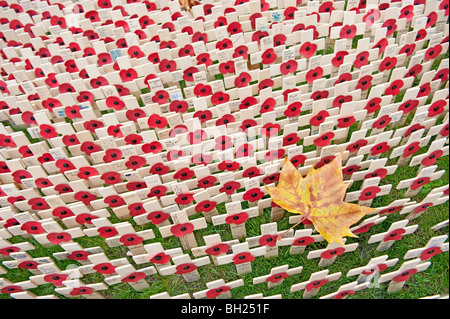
(398, 278)
(29, 295)
(395, 206)
(405, 152)
(51, 273)
(101, 264)
(55, 234)
(186, 267)
(75, 288)
(436, 150)
(315, 282)
(8, 287)
(165, 295)
(214, 247)
(416, 210)
(372, 269)
(261, 296)
(366, 224)
(74, 251)
(183, 228)
(218, 289)
(302, 239)
(129, 274)
(205, 202)
(236, 217)
(277, 276)
(242, 257)
(369, 190)
(434, 247)
(424, 176)
(440, 225)
(269, 238)
(346, 290)
(329, 254)
(103, 228)
(131, 239)
(394, 233)
(157, 255)
(24, 261)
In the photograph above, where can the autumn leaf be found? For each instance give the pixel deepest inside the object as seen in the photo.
(319, 197)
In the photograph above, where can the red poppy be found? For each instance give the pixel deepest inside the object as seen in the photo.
(157, 121)
(85, 197)
(371, 17)
(288, 67)
(349, 170)
(442, 75)
(57, 238)
(268, 105)
(291, 139)
(324, 139)
(422, 208)
(330, 253)
(6, 251)
(179, 230)
(111, 178)
(356, 145)
(221, 21)
(185, 268)
(338, 59)
(21, 174)
(380, 148)
(270, 129)
(289, 13)
(347, 32)
(418, 183)
(243, 257)
(50, 103)
(178, 106)
(436, 108)
(221, 97)
(341, 99)
(407, 12)
(217, 249)
(381, 172)
(157, 191)
(223, 143)
(227, 67)
(308, 49)
(443, 5)
(298, 160)
(388, 63)
(242, 80)
(244, 150)
(159, 169)
(224, 44)
(269, 56)
(205, 206)
(134, 162)
(433, 52)
(430, 252)
(431, 19)
(200, 159)
(369, 193)
(279, 39)
(51, 80)
(319, 118)
(167, 65)
(188, 74)
(411, 149)
(98, 82)
(361, 59)
(242, 51)
(394, 87)
(46, 131)
(258, 35)
(199, 36)
(253, 195)
(314, 74)
(344, 77)
(316, 284)
(112, 155)
(382, 122)
(32, 227)
(204, 58)
(390, 25)
(184, 174)
(325, 160)
(431, 159)
(202, 89)
(408, 106)
(107, 231)
(207, 182)
(228, 166)
(230, 187)
(105, 268)
(346, 121)
(130, 240)
(135, 52)
(424, 90)
(136, 209)
(444, 131)
(408, 49)
(395, 234)
(10, 289)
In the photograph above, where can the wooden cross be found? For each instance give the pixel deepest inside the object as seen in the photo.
(24, 261)
(302, 238)
(346, 290)
(440, 225)
(214, 247)
(436, 150)
(129, 274)
(424, 176)
(277, 276)
(434, 247)
(205, 202)
(394, 233)
(329, 254)
(269, 238)
(129, 238)
(55, 234)
(369, 190)
(261, 296)
(242, 257)
(416, 210)
(366, 224)
(76, 288)
(74, 251)
(51, 273)
(372, 269)
(101, 264)
(395, 206)
(186, 267)
(398, 278)
(315, 282)
(165, 295)
(218, 289)
(103, 228)
(29, 295)
(8, 287)
(183, 228)
(405, 152)
(157, 255)
(236, 217)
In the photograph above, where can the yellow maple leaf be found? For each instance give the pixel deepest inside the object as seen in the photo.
(319, 197)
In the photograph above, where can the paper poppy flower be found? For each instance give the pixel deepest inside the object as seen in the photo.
(184, 174)
(319, 118)
(381, 172)
(114, 102)
(436, 108)
(204, 58)
(347, 32)
(188, 74)
(253, 195)
(441, 75)
(421, 34)
(205, 206)
(422, 208)
(424, 90)
(51, 103)
(324, 161)
(32, 227)
(217, 249)
(316, 284)
(160, 258)
(111, 178)
(107, 231)
(221, 97)
(104, 59)
(369, 193)
(152, 147)
(226, 119)
(356, 145)
(408, 106)
(56, 279)
(390, 25)
(157, 191)
(203, 116)
(114, 201)
(430, 252)
(361, 59)
(338, 59)
(241, 51)
(346, 121)
(185, 268)
(379, 148)
(167, 65)
(127, 75)
(268, 105)
(45, 130)
(72, 112)
(105, 268)
(206, 182)
(349, 170)
(159, 169)
(387, 64)
(201, 159)
(407, 13)
(157, 121)
(111, 155)
(51, 80)
(341, 99)
(179, 230)
(269, 56)
(324, 139)
(135, 161)
(227, 67)
(411, 149)
(64, 165)
(85, 197)
(21, 174)
(223, 142)
(184, 199)
(98, 82)
(178, 106)
(161, 97)
(92, 125)
(418, 183)
(293, 109)
(136, 209)
(274, 154)
(268, 240)
(244, 150)
(270, 129)
(444, 131)
(314, 74)
(371, 17)
(230, 187)
(395, 235)
(10, 289)
(224, 44)
(58, 238)
(443, 5)
(134, 277)
(279, 39)
(381, 45)
(288, 67)
(394, 87)
(199, 36)
(242, 80)
(431, 159)
(258, 35)
(228, 166)
(373, 105)
(289, 13)
(298, 160)
(291, 139)
(382, 122)
(220, 22)
(330, 253)
(202, 90)
(431, 19)
(242, 258)
(70, 140)
(6, 251)
(63, 188)
(130, 239)
(308, 49)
